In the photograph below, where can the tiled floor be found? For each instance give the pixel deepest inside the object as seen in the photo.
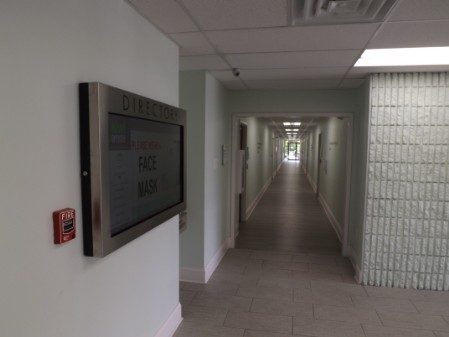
(299, 286)
(271, 294)
(289, 218)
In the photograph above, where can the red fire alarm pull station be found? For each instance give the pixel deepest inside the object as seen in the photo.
(64, 225)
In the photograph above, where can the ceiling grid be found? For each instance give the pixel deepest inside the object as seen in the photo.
(258, 37)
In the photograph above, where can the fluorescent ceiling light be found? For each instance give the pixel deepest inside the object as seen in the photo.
(291, 123)
(296, 123)
(404, 57)
(291, 129)
(286, 123)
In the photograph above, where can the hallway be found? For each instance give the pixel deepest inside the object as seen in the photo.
(289, 218)
(286, 278)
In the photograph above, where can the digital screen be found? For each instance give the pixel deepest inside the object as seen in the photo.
(145, 169)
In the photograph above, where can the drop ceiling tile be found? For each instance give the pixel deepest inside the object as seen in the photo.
(193, 44)
(294, 59)
(203, 62)
(412, 34)
(417, 10)
(293, 73)
(351, 83)
(292, 84)
(351, 36)
(236, 14)
(167, 15)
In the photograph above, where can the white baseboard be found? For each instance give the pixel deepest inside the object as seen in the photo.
(349, 253)
(279, 166)
(259, 196)
(216, 259)
(194, 275)
(171, 324)
(309, 178)
(202, 275)
(333, 220)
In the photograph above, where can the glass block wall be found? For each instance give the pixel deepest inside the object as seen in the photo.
(407, 206)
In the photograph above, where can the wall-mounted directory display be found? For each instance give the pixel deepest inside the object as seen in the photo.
(133, 165)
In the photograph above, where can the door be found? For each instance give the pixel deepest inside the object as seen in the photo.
(320, 154)
(243, 167)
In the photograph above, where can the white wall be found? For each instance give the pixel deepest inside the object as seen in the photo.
(260, 164)
(192, 91)
(293, 101)
(47, 48)
(217, 134)
(333, 167)
(205, 239)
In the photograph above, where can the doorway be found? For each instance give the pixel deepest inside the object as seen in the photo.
(299, 151)
(242, 167)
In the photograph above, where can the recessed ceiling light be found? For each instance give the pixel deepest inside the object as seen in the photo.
(287, 123)
(296, 123)
(404, 57)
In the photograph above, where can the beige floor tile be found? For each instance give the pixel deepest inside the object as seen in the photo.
(221, 288)
(413, 320)
(269, 293)
(236, 278)
(308, 296)
(345, 314)
(317, 259)
(240, 261)
(230, 268)
(432, 307)
(441, 334)
(338, 288)
(255, 321)
(409, 294)
(203, 315)
(291, 283)
(273, 272)
(285, 265)
(283, 308)
(254, 333)
(222, 301)
(186, 296)
(381, 331)
(271, 256)
(235, 252)
(331, 269)
(383, 304)
(192, 329)
(304, 275)
(319, 328)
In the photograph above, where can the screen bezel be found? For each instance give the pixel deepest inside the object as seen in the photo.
(97, 100)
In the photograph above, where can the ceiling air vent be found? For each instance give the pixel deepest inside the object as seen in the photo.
(310, 12)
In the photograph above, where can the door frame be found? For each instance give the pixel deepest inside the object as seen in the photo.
(243, 145)
(236, 119)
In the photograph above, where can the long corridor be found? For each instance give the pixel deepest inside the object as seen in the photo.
(287, 279)
(289, 218)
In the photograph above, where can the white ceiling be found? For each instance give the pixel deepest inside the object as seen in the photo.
(255, 36)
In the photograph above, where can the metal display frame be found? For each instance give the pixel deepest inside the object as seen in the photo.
(97, 101)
